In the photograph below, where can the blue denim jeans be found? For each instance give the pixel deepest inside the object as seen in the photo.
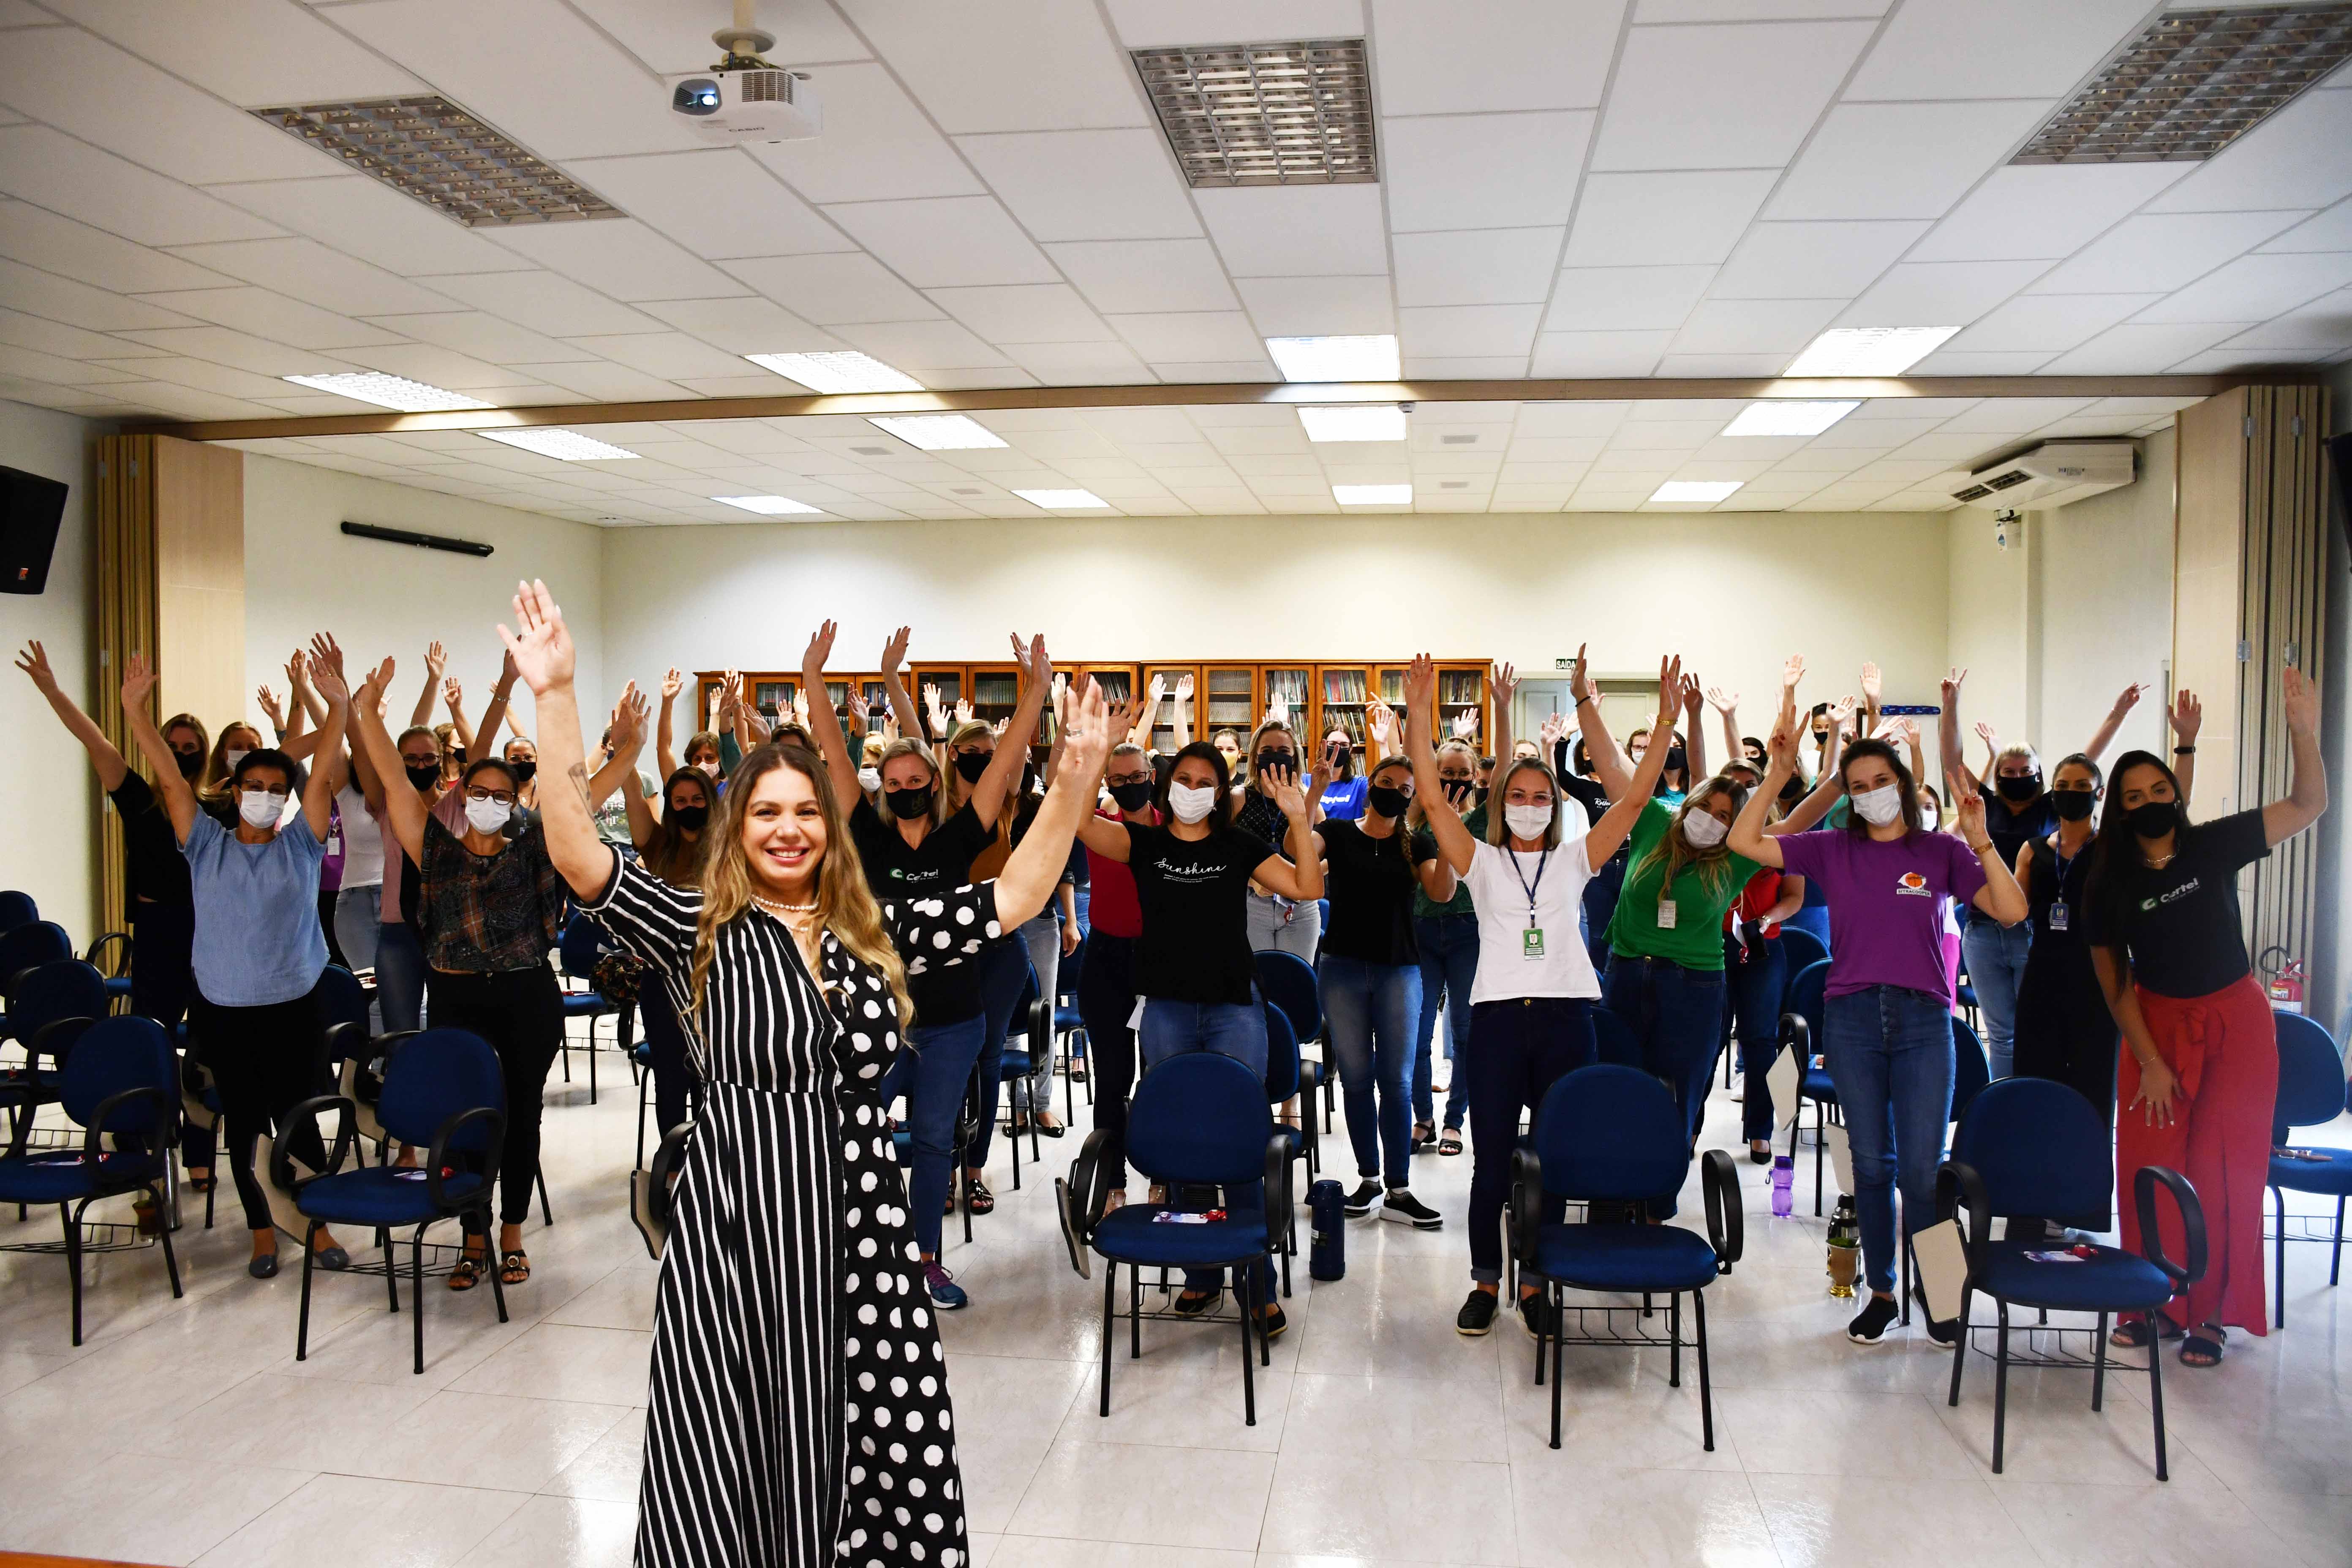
(1368, 1013)
(1753, 987)
(1889, 1053)
(1449, 964)
(1518, 1047)
(1996, 955)
(932, 1071)
(1003, 971)
(1228, 1029)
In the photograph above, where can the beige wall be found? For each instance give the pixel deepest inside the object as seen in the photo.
(2103, 580)
(49, 844)
(1988, 620)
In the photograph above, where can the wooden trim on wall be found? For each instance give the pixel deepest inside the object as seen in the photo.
(1225, 394)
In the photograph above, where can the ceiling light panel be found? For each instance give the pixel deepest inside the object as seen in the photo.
(1063, 501)
(428, 148)
(1371, 358)
(1264, 114)
(1788, 418)
(1694, 489)
(837, 371)
(1868, 350)
(1357, 422)
(389, 392)
(568, 445)
(770, 505)
(1373, 495)
(938, 432)
(2192, 83)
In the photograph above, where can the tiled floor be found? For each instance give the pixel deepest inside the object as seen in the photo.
(186, 1432)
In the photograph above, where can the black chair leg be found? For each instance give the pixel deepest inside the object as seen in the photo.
(2155, 1393)
(1902, 1285)
(591, 1061)
(1135, 1314)
(546, 1213)
(2000, 1384)
(73, 1263)
(1110, 1301)
(1821, 1143)
(1705, 1388)
(1674, 1340)
(302, 1322)
(1541, 1343)
(497, 1284)
(1245, 1288)
(2278, 1269)
(416, 1289)
(1960, 1348)
(2335, 1256)
(2099, 1364)
(1558, 1330)
(391, 1269)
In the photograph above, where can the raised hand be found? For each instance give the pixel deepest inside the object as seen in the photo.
(2300, 700)
(1281, 788)
(1969, 817)
(34, 661)
(1887, 729)
(858, 707)
(1183, 688)
(138, 682)
(1792, 670)
(1721, 700)
(1380, 719)
(2187, 716)
(1089, 730)
(1871, 684)
(324, 648)
(672, 684)
(435, 661)
(1555, 725)
(1693, 700)
(963, 710)
(1153, 690)
(894, 652)
(328, 680)
(1840, 711)
(377, 683)
(1670, 694)
(1986, 733)
(1421, 685)
(629, 719)
(1504, 680)
(1579, 681)
(2128, 698)
(1277, 710)
(541, 649)
(1780, 746)
(820, 648)
(1040, 666)
(1021, 655)
(1951, 686)
(268, 701)
(297, 676)
(1466, 724)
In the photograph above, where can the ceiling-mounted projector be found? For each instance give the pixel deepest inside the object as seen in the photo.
(743, 97)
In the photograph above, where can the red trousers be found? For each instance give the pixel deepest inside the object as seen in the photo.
(2224, 1050)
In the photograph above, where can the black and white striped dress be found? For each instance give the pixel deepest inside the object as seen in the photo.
(799, 1412)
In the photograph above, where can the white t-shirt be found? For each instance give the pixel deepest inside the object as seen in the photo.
(362, 845)
(1510, 964)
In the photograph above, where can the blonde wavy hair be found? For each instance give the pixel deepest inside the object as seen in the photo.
(908, 746)
(1673, 854)
(845, 905)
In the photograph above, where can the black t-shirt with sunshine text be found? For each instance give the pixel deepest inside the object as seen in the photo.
(1370, 884)
(1193, 892)
(942, 863)
(2180, 922)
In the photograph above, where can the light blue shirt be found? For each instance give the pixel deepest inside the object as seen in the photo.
(257, 937)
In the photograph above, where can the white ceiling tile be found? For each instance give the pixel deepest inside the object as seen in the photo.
(946, 241)
(1722, 365)
(600, 381)
(962, 62)
(1025, 313)
(1623, 298)
(1994, 49)
(1291, 231)
(601, 103)
(2160, 251)
(1465, 367)
(436, 366)
(1192, 336)
(1754, 326)
(877, 144)
(2050, 323)
(1939, 293)
(2254, 287)
(1308, 307)
(39, 293)
(2324, 324)
(719, 202)
(1080, 364)
(1872, 435)
(2214, 360)
(1645, 220)
(669, 355)
(1656, 11)
(1901, 160)
(2293, 159)
(2136, 349)
(674, 36)
(1663, 434)
(1086, 184)
(1249, 440)
(306, 270)
(57, 338)
(39, 237)
(1578, 420)
(2013, 416)
(621, 259)
(1477, 266)
(1790, 260)
(2043, 210)
(1723, 97)
(1458, 331)
(360, 217)
(266, 313)
(1143, 274)
(1483, 171)
(480, 336)
(917, 347)
(1496, 55)
(2015, 362)
(542, 301)
(748, 325)
(2330, 231)
(63, 372)
(1143, 23)
(831, 290)
(250, 52)
(95, 186)
(188, 403)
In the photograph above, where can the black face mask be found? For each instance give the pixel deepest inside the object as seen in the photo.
(190, 763)
(1267, 763)
(1386, 801)
(2019, 789)
(1457, 790)
(1580, 762)
(2153, 818)
(524, 771)
(970, 765)
(1793, 790)
(423, 776)
(1676, 758)
(907, 805)
(1132, 796)
(2070, 805)
(691, 818)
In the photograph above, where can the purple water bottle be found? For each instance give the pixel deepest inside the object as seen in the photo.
(1784, 1182)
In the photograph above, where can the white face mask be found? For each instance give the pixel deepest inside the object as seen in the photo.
(261, 807)
(1192, 805)
(869, 779)
(1703, 830)
(1879, 806)
(1527, 821)
(487, 816)
(230, 758)
(709, 768)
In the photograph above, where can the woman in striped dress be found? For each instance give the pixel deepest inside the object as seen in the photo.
(799, 1412)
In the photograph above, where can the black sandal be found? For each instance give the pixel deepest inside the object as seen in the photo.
(466, 1273)
(514, 1267)
(2205, 1345)
(1424, 1133)
(978, 1198)
(2131, 1333)
(1450, 1141)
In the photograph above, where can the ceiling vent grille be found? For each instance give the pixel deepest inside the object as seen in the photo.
(430, 149)
(2192, 83)
(1265, 114)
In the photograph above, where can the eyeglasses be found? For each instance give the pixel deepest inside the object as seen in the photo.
(503, 796)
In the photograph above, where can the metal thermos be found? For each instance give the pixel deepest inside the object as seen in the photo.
(1327, 1215)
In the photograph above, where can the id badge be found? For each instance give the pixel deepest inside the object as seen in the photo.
(1666, 914)
(1531, 942)
(2057, 917)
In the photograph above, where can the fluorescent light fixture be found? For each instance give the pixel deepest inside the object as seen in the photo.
(1336, 359)
(429, 149)
(1868, 350)
(1063, 501)
(568, 445)
(770, 505)
(388, 391)
(846, 370)
(1788, 418)
(1373, 495)
(938, 432)
(1355, 422)
(1694, 489)
(1297, 113)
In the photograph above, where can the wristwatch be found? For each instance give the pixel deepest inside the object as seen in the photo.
(2184, 751)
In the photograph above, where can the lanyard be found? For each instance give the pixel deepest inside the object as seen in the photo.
(1526, 886)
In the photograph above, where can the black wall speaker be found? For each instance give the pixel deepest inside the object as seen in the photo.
(30, 509)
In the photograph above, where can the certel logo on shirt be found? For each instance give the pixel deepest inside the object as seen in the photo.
(915, 879)
(1913, 884)
(2169, 895)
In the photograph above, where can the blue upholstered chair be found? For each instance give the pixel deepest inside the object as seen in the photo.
(49, 1008)
(25, 949)
(1801, 1031)
(2310, 1092)
(1801, 948)
(577, 951)
(2033, 1147)
(1286, 981)
(1032, 1019)
(1070, 1029)
(110, 956)
(17, 909)
(1303, 1142)
(1612, 1039)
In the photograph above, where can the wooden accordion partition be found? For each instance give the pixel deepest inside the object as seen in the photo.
(171, 576)
(2250, 596)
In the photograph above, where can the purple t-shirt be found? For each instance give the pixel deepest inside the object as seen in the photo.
(1888, 903)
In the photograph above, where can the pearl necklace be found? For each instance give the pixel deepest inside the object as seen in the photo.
(781, 909)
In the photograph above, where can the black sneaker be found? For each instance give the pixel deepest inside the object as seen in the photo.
(1943, 1330)
(1477, 1313)
(1403, 1207)
(1869, 1325)
(1360, 1201)
(1536, 1314)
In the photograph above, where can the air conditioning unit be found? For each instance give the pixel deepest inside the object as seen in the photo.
(2052, 474)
